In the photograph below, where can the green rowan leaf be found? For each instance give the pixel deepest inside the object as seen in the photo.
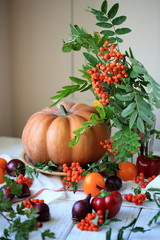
(104, 24)
(146, 118)
(140, 125)
(113, 11)
(112, 39)
(104, 7)
(91, 58)
(67, 47)
(101, 112)
(95, 12)
(47, 233)
(120, 40)
(128, 110)
(94, 117)
(118, 20)
(102, 18)
(108, 32)
(77, 80)
(132, 119)
(125, 97)
(121, 31)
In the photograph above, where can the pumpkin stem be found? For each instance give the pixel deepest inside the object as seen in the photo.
(64, 111)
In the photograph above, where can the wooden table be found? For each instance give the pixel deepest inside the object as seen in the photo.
(61, 223)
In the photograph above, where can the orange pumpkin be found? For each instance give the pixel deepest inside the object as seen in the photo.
(47, 134)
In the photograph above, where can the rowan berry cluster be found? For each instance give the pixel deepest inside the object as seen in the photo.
(108, 144)
(86, 224)
(136, 199)
(73, 173)
(142, 181)
(112, 71)
(28, 204)
(22, 179)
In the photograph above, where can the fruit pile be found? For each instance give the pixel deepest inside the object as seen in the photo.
(103, 199)
(16, 169)
(106, 199)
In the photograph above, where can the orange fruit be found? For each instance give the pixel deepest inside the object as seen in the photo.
(3, 163)
(127, 171)
(2, 173)
(90, 181)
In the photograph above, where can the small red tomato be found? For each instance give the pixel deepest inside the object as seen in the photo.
(112, 202)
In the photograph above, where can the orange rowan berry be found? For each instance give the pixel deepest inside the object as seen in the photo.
(86, 224)
(73, 174)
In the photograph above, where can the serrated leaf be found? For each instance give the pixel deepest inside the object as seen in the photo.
(86, 124)
(47, 233)
(120, 40)
(86, 88)
(112, 39)
(73, 30)
(117, 135)
(132, 119)
(146, 118)
(108, 32)
(117, 144)
(76, 46)
(95, 12)
(67, 47)
(101, 112)
(104, 25)
(113, 11)
(71, 87)
(91, 58)
(104, 7)
(128, 110)
(102, 40)
(102, 18)
(83, 86)
(94, 117)
(77, 80)
(121, 31)
(125, 97)
(118, 20)
(140, 125)
(127, 88)
(139, 69)
(133, 74)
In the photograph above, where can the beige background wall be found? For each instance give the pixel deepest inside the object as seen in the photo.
(32, 65)
(5, 80)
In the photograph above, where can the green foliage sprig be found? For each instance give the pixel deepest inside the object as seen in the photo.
(20, 221)
(93, 121)
(132, 101)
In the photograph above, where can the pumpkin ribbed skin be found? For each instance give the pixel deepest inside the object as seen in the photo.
(47, 134)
